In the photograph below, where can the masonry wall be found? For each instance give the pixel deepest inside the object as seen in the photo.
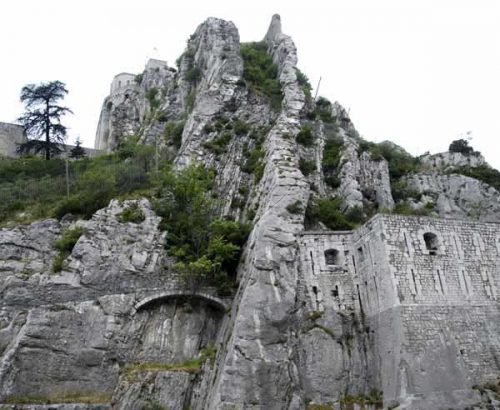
(11, 135)
(122, 81)
(449, 313)
(432, 307)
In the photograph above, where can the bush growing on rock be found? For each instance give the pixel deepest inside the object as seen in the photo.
(65, 245)
(260, 72)
(462, 146)
(132, 213)
(305, 136)
(328, 212)
(207, 249)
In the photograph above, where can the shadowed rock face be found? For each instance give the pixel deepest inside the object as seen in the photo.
(319, 318)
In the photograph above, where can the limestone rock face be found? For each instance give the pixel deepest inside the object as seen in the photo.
(69, 333)
(362, 178)
(125, 111)
(319, 319)
(449, 160)
(456, 196)
(214, 52)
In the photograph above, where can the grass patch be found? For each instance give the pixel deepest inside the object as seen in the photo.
(192, 366)
(76, 397)
(375, 398)
(316, 406)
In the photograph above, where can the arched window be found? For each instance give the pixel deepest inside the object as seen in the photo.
(431, 242)
(332, 257)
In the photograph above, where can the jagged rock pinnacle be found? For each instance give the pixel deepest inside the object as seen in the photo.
(274, 29)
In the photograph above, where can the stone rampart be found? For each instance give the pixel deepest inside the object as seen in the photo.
(428, 291)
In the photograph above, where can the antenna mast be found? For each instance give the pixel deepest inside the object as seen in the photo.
(317, 89)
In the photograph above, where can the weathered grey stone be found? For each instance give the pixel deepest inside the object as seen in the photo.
(334, 319)
(449, 160)
(456, 196)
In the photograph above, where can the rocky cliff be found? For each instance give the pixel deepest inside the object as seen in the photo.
(117, 327)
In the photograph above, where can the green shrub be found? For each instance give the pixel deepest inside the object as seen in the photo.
(328, 211)
(65, 245)
(190, 99)
(305, 136)
(304, 83)
(69, 239)
(307, 167)
(58, 263)
(204, 254)
(38, 188)
(151, 95)
(295, 207)
(254, 158)
(323, 109)
(138, 78)
(132, 213)
(332, 153)
(315, 406)
(193, 75)
(259, 172)
(400, 163)
(405, 208)
(260, 72)
(241, 127)
(482, 173)
(462, 146)
(152, 405)
(173, 133)
(218, 145)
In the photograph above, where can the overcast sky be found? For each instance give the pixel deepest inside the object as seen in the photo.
(420, 73)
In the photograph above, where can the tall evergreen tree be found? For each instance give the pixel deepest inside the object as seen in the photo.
(42, 119)
(77, 151)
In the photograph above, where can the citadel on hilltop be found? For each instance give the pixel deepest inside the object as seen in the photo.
(370, 279)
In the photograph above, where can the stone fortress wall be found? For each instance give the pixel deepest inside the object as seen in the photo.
(428, 291)
(121, 82)
(11, 135)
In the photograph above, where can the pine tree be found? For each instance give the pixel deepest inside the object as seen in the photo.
(77, 151)
(42, 119)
